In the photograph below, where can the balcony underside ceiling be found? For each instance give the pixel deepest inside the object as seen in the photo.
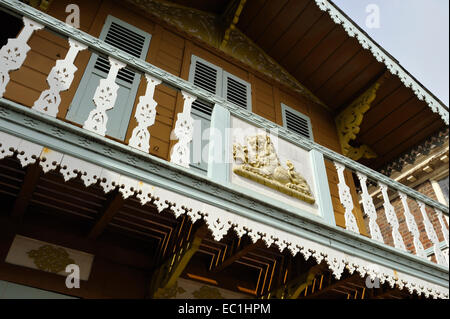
(337, 69)
(65, 213)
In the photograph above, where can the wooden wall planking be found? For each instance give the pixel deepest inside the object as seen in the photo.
(172, 52)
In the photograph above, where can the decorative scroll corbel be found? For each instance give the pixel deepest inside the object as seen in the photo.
(349, 120)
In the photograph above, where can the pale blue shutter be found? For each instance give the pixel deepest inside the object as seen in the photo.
(237, 91)
(296, 121)
(208, 77)
(131, 40)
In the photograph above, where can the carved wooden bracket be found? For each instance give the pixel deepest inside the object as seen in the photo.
(349, 120)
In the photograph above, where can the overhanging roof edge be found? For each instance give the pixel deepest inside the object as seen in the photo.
(353, 30)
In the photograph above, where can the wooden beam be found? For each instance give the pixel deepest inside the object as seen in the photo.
(113, 205)
(166, 275)
(237, 255)
(26, 192)
(303, 281)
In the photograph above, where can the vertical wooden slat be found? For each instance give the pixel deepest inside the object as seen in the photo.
(392, 218)
(412, 227)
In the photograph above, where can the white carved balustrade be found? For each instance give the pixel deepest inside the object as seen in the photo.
(104, 98)
(145, 116)
(392, 219)
(369, 209)
(444, 228)
(431, 233)
(14, 52)
(346, 199)
(412, 227)
(59, 79)
(180, 153)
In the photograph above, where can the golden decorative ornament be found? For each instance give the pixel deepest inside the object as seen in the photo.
(349, 120)
(206, 292)
(259, 162)
(170, 292)
(50, 258)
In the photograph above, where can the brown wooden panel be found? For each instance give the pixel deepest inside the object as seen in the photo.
(264, 103)
(359, 84)
(343, 76)
(21, 94)
(333, 64)
(263, 18)
(46, 47)
(381, 110)
(250, 11)
(394, 119)
(158, 147)
(30, 78)
(38, 62)
(295, 32)
(88, 11)
(316, 33)
(290, 12)
(372, 116)
(320, 53)
(408, 135)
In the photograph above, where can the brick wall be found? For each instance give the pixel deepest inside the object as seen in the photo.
(386, 230)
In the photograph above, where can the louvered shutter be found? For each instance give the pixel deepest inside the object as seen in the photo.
(208, 77)
(297, 122)
(237, 91)
(131, 40)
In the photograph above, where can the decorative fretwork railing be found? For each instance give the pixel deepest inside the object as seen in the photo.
(13, 54)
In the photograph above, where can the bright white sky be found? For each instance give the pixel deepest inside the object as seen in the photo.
(415, 32)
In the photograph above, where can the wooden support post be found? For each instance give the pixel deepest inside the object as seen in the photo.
(113, 205)
(26, 192)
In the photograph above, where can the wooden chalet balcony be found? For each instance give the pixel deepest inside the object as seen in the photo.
(37, 134)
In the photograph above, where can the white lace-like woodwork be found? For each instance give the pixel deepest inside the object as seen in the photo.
(180, 153)
(14, 52)
(369, 209)
(104, 98)
(346, 199)
(431, 233)
(145, 116)
(59, 79)
(218, 220)
(392, 219)
(412, 227)
(443, 227)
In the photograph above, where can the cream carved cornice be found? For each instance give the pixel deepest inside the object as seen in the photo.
(209, 28)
